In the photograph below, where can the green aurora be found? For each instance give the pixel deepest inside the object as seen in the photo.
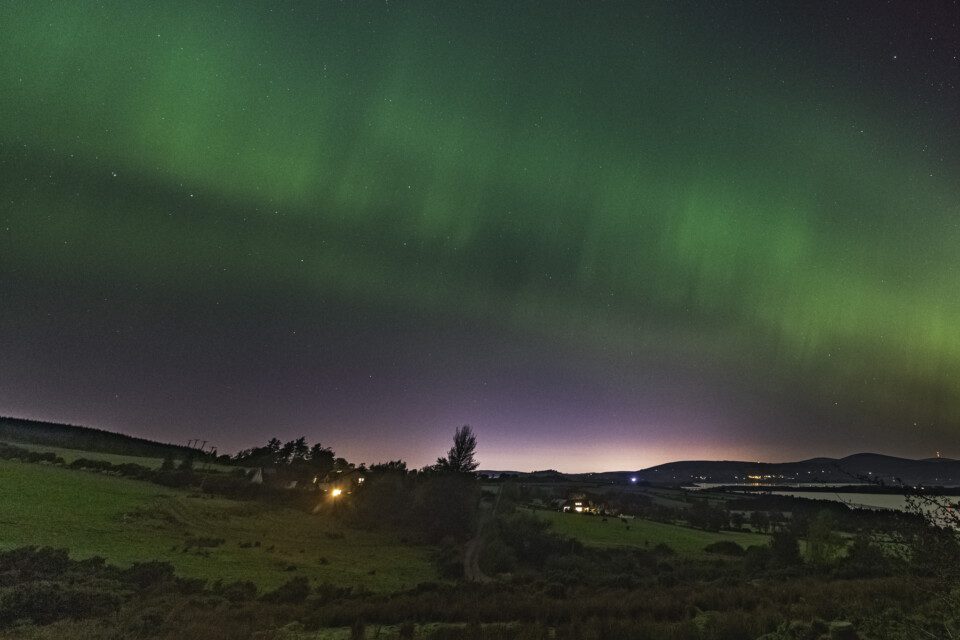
(628, 182)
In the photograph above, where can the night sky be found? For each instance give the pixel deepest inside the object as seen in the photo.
(606, 235)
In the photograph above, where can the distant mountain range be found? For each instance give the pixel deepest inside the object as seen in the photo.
(860, 467)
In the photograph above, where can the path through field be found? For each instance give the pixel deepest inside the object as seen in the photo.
(474, 547)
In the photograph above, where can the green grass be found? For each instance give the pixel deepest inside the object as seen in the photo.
(128, 520)
(69, 455)
(593, 531)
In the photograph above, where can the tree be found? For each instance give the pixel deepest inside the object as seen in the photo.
(785, 549)
(392, 466)
(321, 459)
(273, 449)
(760, 520)
(703, 515)
(865, 558)
(293, 452)
(460, 458)
(823, 543)
(385, 502)
(445, 505)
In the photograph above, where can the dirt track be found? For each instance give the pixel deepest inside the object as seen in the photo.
(473, 548)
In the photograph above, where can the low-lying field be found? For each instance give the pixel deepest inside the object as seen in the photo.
(127, 521)
(593, 531)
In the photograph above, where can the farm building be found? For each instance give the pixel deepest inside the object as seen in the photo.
(338, 483)
(579, 503)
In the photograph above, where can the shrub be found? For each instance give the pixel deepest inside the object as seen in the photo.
(45, 602)
(11, 452)
(864, 559)
(497, 557)
(93, 465)
(239, 591)
(203, 542)
(756, 558)
(146, 575)
(358, 631)
(725, 547)
(449, 559)
(33, 561)
(293, 591)
(785, 549)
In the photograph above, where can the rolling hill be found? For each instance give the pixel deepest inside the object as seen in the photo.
(87, 439)
(852, 469)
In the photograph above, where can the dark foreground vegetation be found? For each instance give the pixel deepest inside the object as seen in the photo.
(815, 572)
(575, 594)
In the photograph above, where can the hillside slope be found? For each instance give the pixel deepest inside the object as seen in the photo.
(88, 439)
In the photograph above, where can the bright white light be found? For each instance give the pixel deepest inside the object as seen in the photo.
(336, 492)
(633, 479)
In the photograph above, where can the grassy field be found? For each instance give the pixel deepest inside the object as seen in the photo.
(128, 520)
(69, 455)
(593, 531)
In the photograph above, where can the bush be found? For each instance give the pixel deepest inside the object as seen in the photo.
(45, 602)
(449, 559)
(934, 551)
(33, 561)
(725, 548)
(131, 470)
(864, 559)
(202, 543)
(703, 515)
(497, 557)
(785, 549)
(239, 591)
(151, 574)
(92, 465)
(756, 559)
(358, 631)
(293, 591)
(446, 506)
(11, 452)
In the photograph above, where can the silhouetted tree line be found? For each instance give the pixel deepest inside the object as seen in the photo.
(294, 459)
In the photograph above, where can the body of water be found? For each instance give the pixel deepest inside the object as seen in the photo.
(941, 509)
(702, 486)
(944, 509)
